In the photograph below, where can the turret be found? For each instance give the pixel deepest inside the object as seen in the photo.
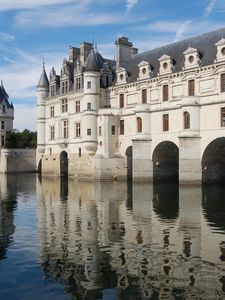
(91, 99)
(42, 94)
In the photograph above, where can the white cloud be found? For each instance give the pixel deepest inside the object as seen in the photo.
(68, 15)
(6, 37)
(130, 4)
(26, 4)
(181, 30)
(209, 8)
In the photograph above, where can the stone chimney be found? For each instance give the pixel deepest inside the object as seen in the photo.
(74, 54)
(124, 51)
(85, 49)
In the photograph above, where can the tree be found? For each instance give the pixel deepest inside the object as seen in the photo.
(24, 139)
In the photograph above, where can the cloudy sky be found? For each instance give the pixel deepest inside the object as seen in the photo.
(33, 30)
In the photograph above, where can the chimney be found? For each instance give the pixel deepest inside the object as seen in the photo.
(85, 49)
(123, 52)
(74, 54)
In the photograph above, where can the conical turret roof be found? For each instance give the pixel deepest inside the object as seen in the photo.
(43, 81)
(4, 97)
(94, 62)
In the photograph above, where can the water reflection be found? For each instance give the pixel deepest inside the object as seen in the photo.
(104, 241)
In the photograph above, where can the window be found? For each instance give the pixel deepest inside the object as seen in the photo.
(52, 90)
(66, 87)
(78, 83)
(77, 107)
(79, 152)
(222, 112)
(77, 130)
(89, 85)
(52, 132)
(52, 111)
(2, 125)
(165, 122)
(121, 100)
(65, 129)
(165, 92)
(88, 131)
(99, 130)
(222, 83)
(63, 87)
(64, 105)
(121, 127)
(107, 80)
(191, 87)
(2, 140)
(3, 108)
(139, 124)
(186, 120)
(89, 106)
(144, 96)
(113, 130)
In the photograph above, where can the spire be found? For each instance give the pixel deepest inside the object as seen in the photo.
(43, 81)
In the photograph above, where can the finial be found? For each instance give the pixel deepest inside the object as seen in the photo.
(1, 82)
(96, 47)
(43, 63)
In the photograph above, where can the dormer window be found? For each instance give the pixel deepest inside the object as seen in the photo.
(144, 70)
(192, 58)
(220, 50)
(166, 64)
(121, 76)
(3, 108)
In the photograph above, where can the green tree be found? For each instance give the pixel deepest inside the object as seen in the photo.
(24, 139)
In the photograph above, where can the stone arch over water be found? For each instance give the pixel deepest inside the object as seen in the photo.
(64, 164)
(165, 160)
(213, 161)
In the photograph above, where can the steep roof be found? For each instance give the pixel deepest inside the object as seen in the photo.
(94, 62)
(204, 43)
(43, 81)
(4, 97)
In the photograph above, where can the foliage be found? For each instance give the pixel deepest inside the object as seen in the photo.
(24, 139)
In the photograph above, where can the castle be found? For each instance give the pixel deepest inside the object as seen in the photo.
(153, 115)
(6, 115)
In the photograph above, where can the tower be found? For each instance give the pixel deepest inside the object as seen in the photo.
(91, 100)
(42, 94)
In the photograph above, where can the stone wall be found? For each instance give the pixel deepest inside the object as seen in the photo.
(17, 160)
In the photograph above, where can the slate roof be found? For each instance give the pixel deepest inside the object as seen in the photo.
(94, 61)
(204, 43)
(43, 81)
(4, 97)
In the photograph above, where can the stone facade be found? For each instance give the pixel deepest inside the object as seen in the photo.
(158, 114)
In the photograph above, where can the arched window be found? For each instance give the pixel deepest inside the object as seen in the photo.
(186, 120)
(139, 124)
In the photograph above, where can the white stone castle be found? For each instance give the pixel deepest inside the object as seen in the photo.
(154, 115)
(6, 115)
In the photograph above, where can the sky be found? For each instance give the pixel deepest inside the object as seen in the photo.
(33, 30)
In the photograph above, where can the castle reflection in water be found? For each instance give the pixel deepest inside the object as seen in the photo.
(143, 241)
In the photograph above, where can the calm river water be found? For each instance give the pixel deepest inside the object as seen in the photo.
(109, 241)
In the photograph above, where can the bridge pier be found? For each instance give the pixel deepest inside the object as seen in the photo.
(190, 168)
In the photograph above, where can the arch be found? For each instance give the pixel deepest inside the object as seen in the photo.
(213, 161)
(129, 154)
(139, 124)
(186, 118)
(64, 164)
(165, 161)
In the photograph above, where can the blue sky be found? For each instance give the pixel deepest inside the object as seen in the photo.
(31, 30)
